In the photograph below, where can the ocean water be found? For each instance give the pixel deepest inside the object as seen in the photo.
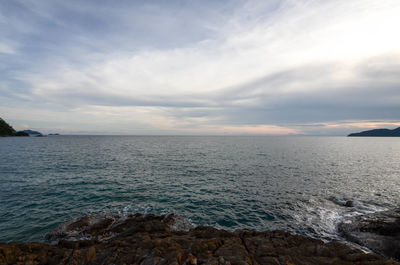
(298, 184)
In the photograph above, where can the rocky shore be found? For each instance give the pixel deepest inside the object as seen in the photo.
(380, 232)
(169, 239)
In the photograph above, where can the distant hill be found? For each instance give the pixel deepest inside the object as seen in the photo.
(21, 133)
(378, 133)
(32, 133)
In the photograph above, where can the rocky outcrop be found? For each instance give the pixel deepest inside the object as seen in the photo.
(379, 232)
(105, 227)
(169, 239)
(349, 204)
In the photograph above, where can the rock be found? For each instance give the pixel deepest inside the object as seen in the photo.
(107, 226)
(192, 259)
(166, 239)
(349, 204)
(379, 232)
(91, 254)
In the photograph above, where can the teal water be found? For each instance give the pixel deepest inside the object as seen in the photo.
(298, 184)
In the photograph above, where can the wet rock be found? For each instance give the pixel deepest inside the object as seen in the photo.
(152, 239)
(379, 232)
(107, 226)
(349, 204)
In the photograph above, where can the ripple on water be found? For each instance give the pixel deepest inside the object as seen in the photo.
(299, 184)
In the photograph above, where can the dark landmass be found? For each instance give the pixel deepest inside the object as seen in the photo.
(379, 232)
(21, 133)
(8, 130)
(378, 133)
(32, 133)
(169, 239)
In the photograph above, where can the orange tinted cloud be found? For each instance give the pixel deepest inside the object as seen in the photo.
(249, 129)
(363, 124)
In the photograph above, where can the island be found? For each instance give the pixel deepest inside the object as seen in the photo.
(378, 133)
(32, 133)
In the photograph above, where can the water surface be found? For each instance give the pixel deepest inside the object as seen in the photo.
(293, 183)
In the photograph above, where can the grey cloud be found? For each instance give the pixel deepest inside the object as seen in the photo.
(48, 35)
(359, 98)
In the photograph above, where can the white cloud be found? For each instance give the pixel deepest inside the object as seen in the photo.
(251, 45)
(335, 31)
(7, 49)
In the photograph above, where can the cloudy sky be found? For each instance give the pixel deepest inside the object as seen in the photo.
(312, 67)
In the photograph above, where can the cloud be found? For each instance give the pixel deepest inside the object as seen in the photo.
(250, 66)
(7, 49)
(249, 129)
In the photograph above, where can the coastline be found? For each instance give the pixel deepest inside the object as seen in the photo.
(170, 239)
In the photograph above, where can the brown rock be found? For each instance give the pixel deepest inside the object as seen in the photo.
(151, 239)
(191, 259)
(91, 254)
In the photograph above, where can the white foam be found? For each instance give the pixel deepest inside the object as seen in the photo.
(323, 217)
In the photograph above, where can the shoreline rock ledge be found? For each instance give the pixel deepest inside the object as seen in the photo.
(380, 232)
(169, 239)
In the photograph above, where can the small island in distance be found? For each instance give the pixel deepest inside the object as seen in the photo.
(378, 133)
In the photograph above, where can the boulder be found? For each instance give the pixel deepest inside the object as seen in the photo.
(379, 232)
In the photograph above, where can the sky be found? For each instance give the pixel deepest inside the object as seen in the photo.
(288, 67)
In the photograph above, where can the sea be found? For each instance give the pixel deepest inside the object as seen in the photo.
(298, 184)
